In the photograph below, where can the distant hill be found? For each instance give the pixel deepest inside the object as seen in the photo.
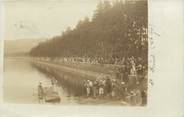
(20, 47)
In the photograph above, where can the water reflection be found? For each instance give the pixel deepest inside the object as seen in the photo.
(21, 79)
(68, 82)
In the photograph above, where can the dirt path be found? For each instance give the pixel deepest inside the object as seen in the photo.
(69, 69)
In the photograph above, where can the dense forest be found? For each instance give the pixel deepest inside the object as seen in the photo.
(116, 30)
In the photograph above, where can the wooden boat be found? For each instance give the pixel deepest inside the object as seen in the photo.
(51, 95)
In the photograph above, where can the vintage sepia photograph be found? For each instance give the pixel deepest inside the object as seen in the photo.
(76, 52)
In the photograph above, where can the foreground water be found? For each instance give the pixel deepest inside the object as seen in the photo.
(21, 80)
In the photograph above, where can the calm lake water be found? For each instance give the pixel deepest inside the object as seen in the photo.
(21, 80)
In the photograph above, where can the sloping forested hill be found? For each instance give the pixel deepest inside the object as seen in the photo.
(116, 30)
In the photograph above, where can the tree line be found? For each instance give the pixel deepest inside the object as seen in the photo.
(116, 30)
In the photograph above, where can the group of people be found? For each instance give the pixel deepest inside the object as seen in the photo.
(89, 60)
(129, 83)
(106, 88)
(132, 68)
(99, 88)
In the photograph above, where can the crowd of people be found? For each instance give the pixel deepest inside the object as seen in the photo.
(129, 83)
(96, 60)
(113, 89)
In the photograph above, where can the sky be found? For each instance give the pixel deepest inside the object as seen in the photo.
(35, 19)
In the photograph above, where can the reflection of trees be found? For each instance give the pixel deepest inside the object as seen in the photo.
(70, 83)
(116, 30)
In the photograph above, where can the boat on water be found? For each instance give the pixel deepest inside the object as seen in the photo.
(48, 94)
(51, 95)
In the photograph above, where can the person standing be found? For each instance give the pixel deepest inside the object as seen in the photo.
(138, 98)
(84, 87)
(101, 89)
(108, 85)
(144, 97)
(91, 87)
(95, 89)
(88, 88)
(41, 94)
(113, 92)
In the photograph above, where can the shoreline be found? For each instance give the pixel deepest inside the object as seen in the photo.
(75, 79)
